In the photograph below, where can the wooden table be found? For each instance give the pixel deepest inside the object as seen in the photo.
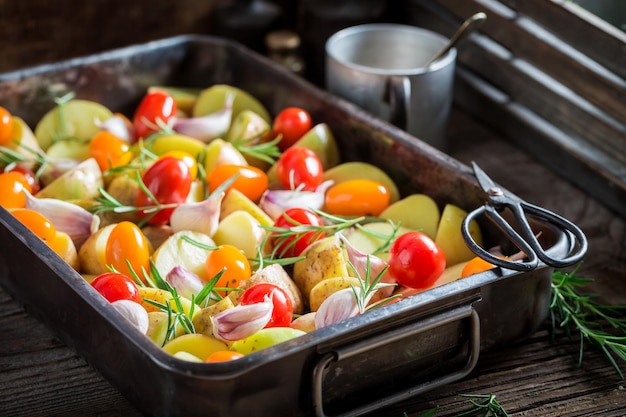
(39, 376)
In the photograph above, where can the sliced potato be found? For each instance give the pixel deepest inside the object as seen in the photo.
(162, 296)
(415, 212)
(235, 200)
(373, 238)
(323, 259)
(177, 250)
(325, 288)
(450, 239)
(74, 119)
(212, 99)
(83, 182)
(241, 230)
(202, 321)
(92, 253)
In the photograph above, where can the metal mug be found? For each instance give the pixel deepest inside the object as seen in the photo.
(381, 68)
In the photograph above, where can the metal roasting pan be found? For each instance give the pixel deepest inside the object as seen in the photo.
(351, 368)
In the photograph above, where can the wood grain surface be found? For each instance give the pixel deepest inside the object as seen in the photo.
(39, 376)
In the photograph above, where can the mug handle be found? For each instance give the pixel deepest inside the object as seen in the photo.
(398, 95)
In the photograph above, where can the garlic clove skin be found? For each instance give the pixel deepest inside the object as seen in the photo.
(187, 283)
(134, 312)
(359, 260)
(338, 307)
(242, 321)
(209, 127)
(275, 202)
(117, 126)
(202, 216)
(66, 217)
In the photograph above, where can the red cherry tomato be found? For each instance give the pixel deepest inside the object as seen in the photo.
(251, 181)
(114, 286)
(169, 181)
(358, 197)
(155, 107)
(415, 261)
(296, 243)
(292, 123)
(300, 167)
(282, 314)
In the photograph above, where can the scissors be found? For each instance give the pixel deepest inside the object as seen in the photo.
(526, 241)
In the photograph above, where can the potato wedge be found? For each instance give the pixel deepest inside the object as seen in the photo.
(179, 249)
(92, 253)
(202, 321)
(323, 259)
(450, 239)
(325, 288)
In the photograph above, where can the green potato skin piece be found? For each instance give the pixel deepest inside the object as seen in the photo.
(212, 99)
(265, 338)
(75, 119)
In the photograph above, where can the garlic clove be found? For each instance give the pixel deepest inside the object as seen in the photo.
(360, 261)
(339, 306)
(134, 312)
(66, 217)
(185, 281)
(242, 321)
(275, 202)
(118, 126)
(209, 127)
(202, 216)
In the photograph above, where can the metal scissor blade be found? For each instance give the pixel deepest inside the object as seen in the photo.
(486, 183)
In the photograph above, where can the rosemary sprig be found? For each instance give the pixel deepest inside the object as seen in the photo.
(572, 309)
(483, 406)
(368, 285)
(265, 151)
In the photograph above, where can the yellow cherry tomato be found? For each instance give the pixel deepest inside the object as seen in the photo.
(6, 126)
(234, 263)
(36, 223)
(12, 186)
(109, 150)
(128, 245)
(359, 197)
(187, 158)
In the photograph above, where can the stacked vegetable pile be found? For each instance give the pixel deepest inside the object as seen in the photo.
(217, 229)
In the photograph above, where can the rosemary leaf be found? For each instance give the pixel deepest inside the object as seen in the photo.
(571, 309)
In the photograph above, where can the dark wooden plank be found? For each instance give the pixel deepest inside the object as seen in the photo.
(527, 40)
(590, 170)
(591, 35)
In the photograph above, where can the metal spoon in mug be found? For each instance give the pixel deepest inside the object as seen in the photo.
(470, 25)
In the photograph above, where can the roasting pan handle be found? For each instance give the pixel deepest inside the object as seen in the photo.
(449, 316)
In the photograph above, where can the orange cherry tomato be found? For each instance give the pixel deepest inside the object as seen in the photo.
(128, 243)
(358, 197)
(36, 223)
(6, 126)
(251, 181)
(187, 158)
(477, 265)
(234, 263)
(12, 186)
(109, 150)
(224, 356)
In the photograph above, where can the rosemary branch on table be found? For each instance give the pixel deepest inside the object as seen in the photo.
(601, 325)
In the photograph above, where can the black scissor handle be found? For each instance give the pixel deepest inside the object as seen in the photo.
(516, 239)
(562, 223)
